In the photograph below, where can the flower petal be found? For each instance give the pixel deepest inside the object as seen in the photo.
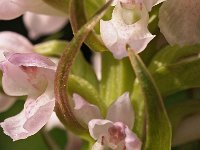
(85, 111)
(31, 60)
(179, 21)
(39, 25)
(25, 74)
(6, 102)
(35, 115)
(15, 81)
(132, 141)
(38, 6)
(11, 41)
(96, 63)
(9, 10)
(120, 108)
(99, 127)
(125, 29)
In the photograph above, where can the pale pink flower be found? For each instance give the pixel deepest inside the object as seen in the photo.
(128, 26)
(39, 18)
(115, 130)
(26, 73)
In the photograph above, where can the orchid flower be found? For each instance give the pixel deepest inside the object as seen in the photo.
(39, 18)
(26, 73)
(114, 131)
(179, 22)
(128, 26)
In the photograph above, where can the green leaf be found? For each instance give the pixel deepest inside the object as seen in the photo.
(77, 9)
(51, 48)
(62, 5)
(63, 107)
(117, 77)
(175, 69)
(158, 128)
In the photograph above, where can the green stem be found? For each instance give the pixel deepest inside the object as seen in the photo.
(63, 108)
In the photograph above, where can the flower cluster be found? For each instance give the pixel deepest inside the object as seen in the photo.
(83, 97)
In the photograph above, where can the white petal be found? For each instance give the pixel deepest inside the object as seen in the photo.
(39, 25)
(10, 10)
(132, 142)
(34, 116)
(120, 31)
(99, 127)
(85, 111)
(122, 111)
(6, 102)
(96, 63)
(179, 21)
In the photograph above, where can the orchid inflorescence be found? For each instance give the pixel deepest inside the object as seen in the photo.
(103, 104)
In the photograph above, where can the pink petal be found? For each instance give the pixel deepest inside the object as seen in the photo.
(6, 102)
(15, 82)
(99, 127)
(39, 25)
(9, 10)
(122, 111)
(132, 142)
(25, 74)
(31, 60)
(11, 41)
(35, 115)
(85, 111)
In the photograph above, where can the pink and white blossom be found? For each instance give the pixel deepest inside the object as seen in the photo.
(26, 73)
(114, 131)
(128, 26)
